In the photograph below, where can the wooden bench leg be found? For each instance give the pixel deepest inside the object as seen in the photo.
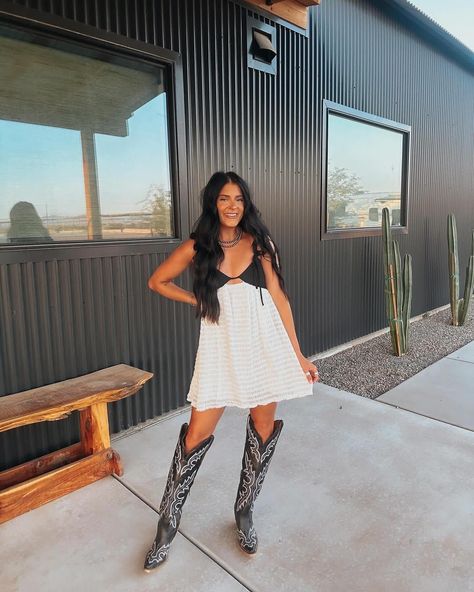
(94, 426)
(95, 434)
(99, 460)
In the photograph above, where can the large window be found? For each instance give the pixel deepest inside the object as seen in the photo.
(84, 150)
(365, 169)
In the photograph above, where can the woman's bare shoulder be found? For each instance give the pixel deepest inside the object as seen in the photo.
(266, 253)
(184, 252)
(188, 245)
(187, 249)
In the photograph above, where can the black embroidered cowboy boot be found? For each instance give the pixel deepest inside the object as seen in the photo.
(183, 470)
(255, 462)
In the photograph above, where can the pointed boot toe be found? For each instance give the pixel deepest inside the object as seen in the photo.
(155, 557)
(248, 541)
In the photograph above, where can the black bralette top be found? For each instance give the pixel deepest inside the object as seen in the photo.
(253, 275)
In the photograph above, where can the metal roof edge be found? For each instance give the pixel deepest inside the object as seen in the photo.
(434, 30)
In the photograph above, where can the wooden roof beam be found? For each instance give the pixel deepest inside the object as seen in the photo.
(294, 11)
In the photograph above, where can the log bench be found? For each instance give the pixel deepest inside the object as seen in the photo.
(53, 475)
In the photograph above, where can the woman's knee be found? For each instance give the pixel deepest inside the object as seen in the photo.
(198, 433)
(264, 424)
(202, 425)
(264, 415)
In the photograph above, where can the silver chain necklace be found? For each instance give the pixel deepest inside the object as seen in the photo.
(232, 242)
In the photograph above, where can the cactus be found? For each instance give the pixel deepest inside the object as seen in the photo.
(398, 288)
(459, 307)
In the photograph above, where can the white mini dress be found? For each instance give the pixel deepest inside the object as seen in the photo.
(246, 359)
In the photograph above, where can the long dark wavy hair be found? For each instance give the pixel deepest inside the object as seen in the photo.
(208, 251)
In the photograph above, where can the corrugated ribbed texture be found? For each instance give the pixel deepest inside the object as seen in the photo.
(74, 317)
(62, 319)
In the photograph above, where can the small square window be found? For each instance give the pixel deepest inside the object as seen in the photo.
(365, 168)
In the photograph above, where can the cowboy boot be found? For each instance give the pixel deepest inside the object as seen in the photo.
(255, 462)
(183, 470)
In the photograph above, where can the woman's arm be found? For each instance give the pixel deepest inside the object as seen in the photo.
(172, 266)
(283, 306)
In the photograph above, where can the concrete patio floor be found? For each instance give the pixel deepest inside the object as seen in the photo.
(360, 496)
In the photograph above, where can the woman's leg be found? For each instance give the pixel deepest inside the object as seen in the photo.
(201, 425)
(263, 419)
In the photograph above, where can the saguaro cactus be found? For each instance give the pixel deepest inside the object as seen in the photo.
(398, 288)
(459, 308)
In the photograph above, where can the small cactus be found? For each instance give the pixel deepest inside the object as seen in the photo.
(459, 307)
(398, 288)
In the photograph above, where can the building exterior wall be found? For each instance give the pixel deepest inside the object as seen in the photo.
(63, 317)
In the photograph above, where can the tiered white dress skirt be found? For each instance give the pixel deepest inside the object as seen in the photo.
(247, 359)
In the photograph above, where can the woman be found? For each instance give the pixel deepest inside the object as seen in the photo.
(248, 354)
(26, 225)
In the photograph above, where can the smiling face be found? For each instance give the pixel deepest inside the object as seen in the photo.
(230, 205)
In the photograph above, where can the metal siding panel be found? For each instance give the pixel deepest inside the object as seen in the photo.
(66, 318)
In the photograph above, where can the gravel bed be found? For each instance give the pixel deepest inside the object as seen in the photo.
(370, 369)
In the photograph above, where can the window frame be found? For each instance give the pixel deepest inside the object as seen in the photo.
(330, 107)
(91, 42)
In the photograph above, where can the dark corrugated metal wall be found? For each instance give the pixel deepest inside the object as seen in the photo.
(64, 318)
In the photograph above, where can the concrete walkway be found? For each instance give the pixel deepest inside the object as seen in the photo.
(443, 391)
(361, 496)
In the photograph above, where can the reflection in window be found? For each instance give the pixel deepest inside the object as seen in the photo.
(364, 173)
(83, 147)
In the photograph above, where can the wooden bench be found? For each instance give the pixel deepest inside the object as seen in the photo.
(37, 482)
